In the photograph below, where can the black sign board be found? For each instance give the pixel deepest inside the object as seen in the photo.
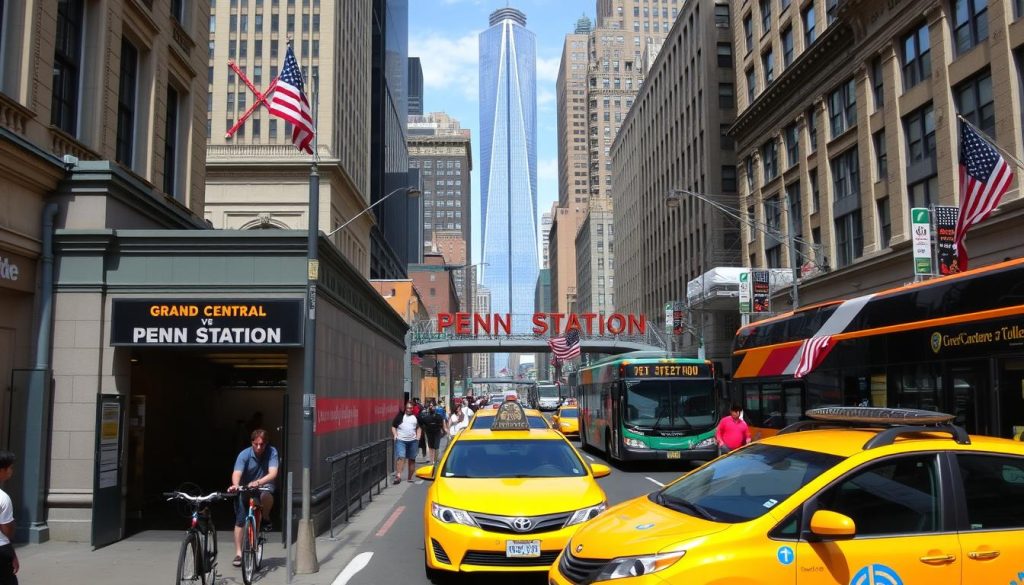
(510, 417)
(207, 323)
(945, 235)
(761, 290)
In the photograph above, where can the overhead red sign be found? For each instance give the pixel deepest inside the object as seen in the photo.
(543, 323)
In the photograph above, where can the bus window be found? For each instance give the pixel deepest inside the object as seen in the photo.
(669, 404)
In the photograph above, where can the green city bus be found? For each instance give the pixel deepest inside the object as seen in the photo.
(649, 406)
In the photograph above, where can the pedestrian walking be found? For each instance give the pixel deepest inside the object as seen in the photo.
(8, 558)
(732, 432)
(405, 429)
(433, 427)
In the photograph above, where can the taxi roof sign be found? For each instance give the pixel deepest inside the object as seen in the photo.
(510, 417)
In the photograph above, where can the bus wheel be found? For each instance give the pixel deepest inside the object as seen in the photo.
(608, 446)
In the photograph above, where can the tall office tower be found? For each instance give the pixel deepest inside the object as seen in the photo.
(571, 102)
(440, 149)
(508, 184)
(415, 87)
(257, 179)
(389, 153)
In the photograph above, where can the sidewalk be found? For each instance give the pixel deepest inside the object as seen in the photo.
(152, 556)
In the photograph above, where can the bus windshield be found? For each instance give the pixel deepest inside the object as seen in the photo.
(548, 391)
(680, 405)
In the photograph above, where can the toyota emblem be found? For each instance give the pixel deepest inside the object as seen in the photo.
(522, 524)
(579, 548)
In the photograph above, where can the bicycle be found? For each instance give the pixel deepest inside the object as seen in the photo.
(201, 537)
(252, 533)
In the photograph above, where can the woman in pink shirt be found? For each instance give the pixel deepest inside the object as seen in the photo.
(732, 432)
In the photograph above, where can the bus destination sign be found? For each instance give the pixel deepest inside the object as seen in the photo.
(668, 370)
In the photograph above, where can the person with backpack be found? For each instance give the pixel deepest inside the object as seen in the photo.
(433, 426)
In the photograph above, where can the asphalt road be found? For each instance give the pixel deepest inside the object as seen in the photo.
(393, 551)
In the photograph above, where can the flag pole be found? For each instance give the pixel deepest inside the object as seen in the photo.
(1006, 154)
(305, 542)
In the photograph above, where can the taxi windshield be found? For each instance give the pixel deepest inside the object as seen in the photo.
(744, 485)
(670, 404)
(568, 413)
(485, 422)
(506, 458)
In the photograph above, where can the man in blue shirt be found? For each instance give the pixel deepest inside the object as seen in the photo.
(255, 466)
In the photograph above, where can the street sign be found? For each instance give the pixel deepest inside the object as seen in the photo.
(745, 292)
(945, 236)
(668, 318)
(921, 238)
(760, 291)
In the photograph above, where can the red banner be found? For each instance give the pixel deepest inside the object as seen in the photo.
(338, 414)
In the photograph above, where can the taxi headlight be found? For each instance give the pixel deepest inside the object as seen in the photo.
(636, 566)
(584, 514)
(708, 442)
(635, 443)
(451, 515)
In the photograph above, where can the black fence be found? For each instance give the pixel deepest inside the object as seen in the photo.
(356, 473)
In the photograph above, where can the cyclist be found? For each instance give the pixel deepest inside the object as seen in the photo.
(255, 466)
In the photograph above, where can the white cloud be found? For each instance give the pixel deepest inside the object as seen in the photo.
(547, 69)
(448, 63)
(547, 173)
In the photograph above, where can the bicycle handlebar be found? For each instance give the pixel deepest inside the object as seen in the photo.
(210, 497)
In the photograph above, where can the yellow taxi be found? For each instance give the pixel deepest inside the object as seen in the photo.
(567, 420)
(506, 498)
(855, 496)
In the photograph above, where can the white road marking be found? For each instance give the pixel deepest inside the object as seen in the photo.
(354, 566)
(654, 481)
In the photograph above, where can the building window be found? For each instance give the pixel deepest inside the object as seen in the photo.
(784, 4)
(877, 83)
(881, 164)
(171, 143)
(766, 16)
(974, 102)
(722, 15)
(919, 126)
(729, 178)
(924, 193)
(812, 178)
(772, 244)
(770, 159)
(970, 23)
(796, 217)
(832, 10)
(917, 59)
(726, 96)
(846, 175)
(768, 60)
(751, 86)
(67, 63)
(884, 222)
(808, 19)
(849, 238)
(792, 145)
(750, 173)
(812, 129)
(842, 107)
(724, 54)
(178, 10)
(748, 32)
(787, 46)
(126, 101)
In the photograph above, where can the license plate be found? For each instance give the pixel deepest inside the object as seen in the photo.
(674, 454)
(522, 548)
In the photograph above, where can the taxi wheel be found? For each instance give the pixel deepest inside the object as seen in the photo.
(435, 576)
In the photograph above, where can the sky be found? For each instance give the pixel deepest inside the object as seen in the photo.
(444, 34)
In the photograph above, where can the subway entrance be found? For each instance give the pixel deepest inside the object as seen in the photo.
(189, 413)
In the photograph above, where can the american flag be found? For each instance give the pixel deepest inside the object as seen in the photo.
(812, 353)
(566, 348)
(289, 103)
(984, 178)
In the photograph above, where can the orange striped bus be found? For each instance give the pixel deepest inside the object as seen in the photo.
(951, 344)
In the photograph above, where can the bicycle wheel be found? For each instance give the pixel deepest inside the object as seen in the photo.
(248, 552)
(259, 550)
(189, 567)
(210, 558)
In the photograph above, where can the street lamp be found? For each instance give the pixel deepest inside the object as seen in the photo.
(306, 561)
(409, 190)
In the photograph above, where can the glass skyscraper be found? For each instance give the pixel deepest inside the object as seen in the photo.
(508, 158)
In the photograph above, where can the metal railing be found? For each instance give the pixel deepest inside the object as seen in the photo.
(356, 473)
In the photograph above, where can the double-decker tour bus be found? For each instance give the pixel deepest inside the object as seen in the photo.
(647, 405)
(951, 344)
